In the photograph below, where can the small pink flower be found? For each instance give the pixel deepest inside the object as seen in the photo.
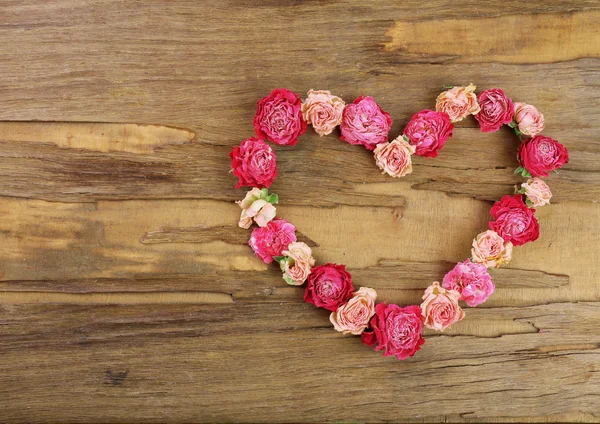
(514, 221)
(272, 240)
(353, 316)
(254, 163)
(537, 191)
(440, 307)
(491, 250)
(297, 263)
(496, 110)
(394, 158)
(323, 111)
(428, 131)
(471, 280)
(458, 102)
(364, 122)
(278, 117)
(256, 206)
(529, 120)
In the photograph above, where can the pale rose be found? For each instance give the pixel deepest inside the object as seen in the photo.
(529, 120)
(256, 206)
(458, 102)
(537, 191)
(323, 111)
(353, 316)
(440, 307)
(297, 263)
(394, 158)
(491, 250)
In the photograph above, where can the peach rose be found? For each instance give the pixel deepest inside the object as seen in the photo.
(529, 120)
(458, 102)
(440, 307)
(296, 263)
(353, 316)
(491, 250)
(394, 158)
(323, 111)
(537, 191)
(257, 205)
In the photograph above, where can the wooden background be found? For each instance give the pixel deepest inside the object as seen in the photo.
(128, 294)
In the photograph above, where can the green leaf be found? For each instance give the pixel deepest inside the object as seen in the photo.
(447, 87)
(278, 258)
(526, 173)
(519, 170)
(528, 203)
(517, 132)
(264, 193)
(273, 198)
(405, 138)
(513, 124)
(288, 280)
(555, 171)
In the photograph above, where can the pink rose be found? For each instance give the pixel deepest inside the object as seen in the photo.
(394, 158)
(395, 329)
(256, 205)
(529, 120)
(297, 263)
(428, 131)
(364, 122)
(272, 240)
(253, 162)
(537, 191)
(514, 221)
(440, 307)
(353, 317)
(458, 102)
(329, 286)
(496, 110)
(471, 280)
(540, 155)
(279, 118)
(491, 250)
(323, 111)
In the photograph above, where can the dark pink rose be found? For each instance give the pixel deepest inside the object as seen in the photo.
(471, 280)
(395, 329)
(428, 130)
(273, 239)
(514, 221)
(253, 162)
(364, 122)
(279, 118)
(496, 110)
(540, 155)
(329, 286)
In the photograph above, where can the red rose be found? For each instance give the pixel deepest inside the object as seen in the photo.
(540, 155)
(279, 118)
(514, 221)
(395, 329)
(253, 162)
(428, 131)
(496, 110)
(329, 286)
(273, 239)
(364, 122)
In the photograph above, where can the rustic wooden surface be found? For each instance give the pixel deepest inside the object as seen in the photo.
(128, 294)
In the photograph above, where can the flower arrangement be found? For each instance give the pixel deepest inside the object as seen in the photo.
(282, 117)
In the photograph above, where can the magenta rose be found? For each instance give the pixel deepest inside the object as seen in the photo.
(540, 155)
(395, 329)
(471, 280)
(428, 130)
(279, 118)
(514, 221)
(496, 110)
(272, 239)
(329, 286)
(253, 162)
(364, 122)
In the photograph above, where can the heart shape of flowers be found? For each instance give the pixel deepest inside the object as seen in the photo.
(282, 117)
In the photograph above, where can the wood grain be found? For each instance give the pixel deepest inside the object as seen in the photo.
(128, 294)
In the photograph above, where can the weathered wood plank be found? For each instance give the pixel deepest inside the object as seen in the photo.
(97, 365)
